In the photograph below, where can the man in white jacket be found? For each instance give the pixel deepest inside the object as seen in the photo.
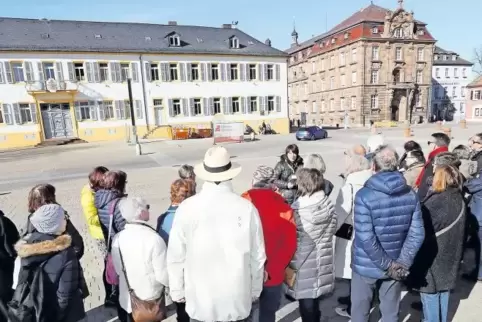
(216, 252)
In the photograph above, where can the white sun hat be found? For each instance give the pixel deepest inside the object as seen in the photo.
(217, 166)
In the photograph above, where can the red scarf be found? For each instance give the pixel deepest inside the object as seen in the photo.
(431, 156)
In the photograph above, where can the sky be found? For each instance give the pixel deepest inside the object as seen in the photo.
(457, 25)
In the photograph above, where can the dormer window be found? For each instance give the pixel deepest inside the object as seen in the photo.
(421, 32)
(321, 44)
(446, 57)
(333, 40)
(346, 35)
(174, 41)
(375, 30)
(234, 42)
(454, 57)
(398, 33)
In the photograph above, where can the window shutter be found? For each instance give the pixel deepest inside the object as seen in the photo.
(265, 73)
(206, 107)
(170, 107)
(93, 110)
(16, 112)
(33, 111)
(222, 70)
(242, 72)
(2, 75)
(59, 73)
(29, 75)
(70, 67)
(185, 107)
(101, 110)
(182, 71)
(211, 106)
(164, 72)
(225, 106)
(242, 105)
(191, 107)
(260, 72)
(113, 76)
(139, 114)
(78, 114)
(147, 68)
(227, 70)
(96, 69)
(230, 105)
(278, 104)
(278, 72)
(7, 114)
(209, 67)
(135, 72)
(90, 72)
(118, 109)
(8, 73)
(118, 74)
(189, 71)
(202, 68)
(262, 103)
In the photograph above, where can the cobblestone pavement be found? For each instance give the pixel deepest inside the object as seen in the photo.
(152, 183)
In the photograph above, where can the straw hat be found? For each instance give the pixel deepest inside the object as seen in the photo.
(217, 166)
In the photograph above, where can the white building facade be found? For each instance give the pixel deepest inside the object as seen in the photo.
(450, 77)
(184, 78)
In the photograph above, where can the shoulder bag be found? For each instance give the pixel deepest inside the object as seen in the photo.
(446, 229)
(110, 274)
(144, 310)
(346, 230)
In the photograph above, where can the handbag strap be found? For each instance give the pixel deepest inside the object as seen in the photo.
(124, 267)
(111, 221)
(446, 229)
(352, 210)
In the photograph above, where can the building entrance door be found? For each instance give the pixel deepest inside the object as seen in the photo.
(57, 120)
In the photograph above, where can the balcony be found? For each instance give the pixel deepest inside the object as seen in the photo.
(51, 86)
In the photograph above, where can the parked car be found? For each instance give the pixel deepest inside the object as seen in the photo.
(311, 133)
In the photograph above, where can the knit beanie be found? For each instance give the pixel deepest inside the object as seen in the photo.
(263, 173)
(48, 219)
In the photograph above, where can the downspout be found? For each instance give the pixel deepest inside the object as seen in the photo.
(144, 93)
(362, 110)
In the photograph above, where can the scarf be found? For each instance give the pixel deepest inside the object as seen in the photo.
(431, 156)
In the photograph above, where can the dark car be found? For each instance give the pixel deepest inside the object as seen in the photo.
(311, 133)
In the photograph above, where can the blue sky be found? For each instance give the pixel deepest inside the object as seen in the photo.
(455, 24)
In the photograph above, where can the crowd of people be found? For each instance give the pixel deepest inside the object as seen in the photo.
(219, 256)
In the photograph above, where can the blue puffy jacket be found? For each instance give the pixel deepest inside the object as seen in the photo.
(388, 225)
(104, 200)
(474, 187)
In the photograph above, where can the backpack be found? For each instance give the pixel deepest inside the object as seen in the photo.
(28, 303)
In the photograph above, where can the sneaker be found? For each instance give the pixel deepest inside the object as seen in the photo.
(344, 300)
(342, 312)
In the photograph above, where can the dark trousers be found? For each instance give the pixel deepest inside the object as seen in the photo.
(478, 252)
(362, 291)
(269, 302)
(310, 310)
(182, 316)
(123, 315)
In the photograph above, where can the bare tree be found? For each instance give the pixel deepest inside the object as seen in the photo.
(478, 60)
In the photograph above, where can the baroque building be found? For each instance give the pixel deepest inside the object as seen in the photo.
(376, 65)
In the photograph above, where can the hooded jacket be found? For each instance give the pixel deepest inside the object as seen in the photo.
(64, 294)
(388, 225)
(104, 200)
(8, 237)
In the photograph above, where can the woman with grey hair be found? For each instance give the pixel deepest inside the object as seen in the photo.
(313, 260)
(357, 172)
(315, 161)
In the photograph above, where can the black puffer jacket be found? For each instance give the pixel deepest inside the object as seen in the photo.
(63, 271)
(104, 200)
(8, 237)
(436, 264)
(283, 172)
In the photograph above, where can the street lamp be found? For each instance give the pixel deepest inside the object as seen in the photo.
(135, 138)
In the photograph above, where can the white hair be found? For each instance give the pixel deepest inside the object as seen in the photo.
(131, 208)
(374, 142)
(315, 161)
(356, 163)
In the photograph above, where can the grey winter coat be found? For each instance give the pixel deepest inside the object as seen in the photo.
(313, 260)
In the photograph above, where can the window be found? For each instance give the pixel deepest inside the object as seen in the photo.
(84, 110)
(104, 72)
(332, 82)
(305, 87)
(436, 92)
(157, 102)
(374, 77)
(332, 62)
(398, 33)
(127, 110)
(456, 73)
(176, 107)
(375, 53)
(445, 93)
(437, 72)
(17, 70)
(253, 104)
(235, 105)
(398, 53)
(108, 109)
(323, 106)
(313, 86)
(322, 64)
(49, 71)
(454, 57)
(173, 72)
(342, 104)
(353, 78)
(342, 80)
(464, 72)
(446, 57)
(447, 72)
(25, 113)
(79, 72)
(462, 91)
(313, 66)
(454, 89)
(342, 59)
(420, 55)
(270, 72)
(174, 41)
(217, 105)
(323, 87)
(215, 71)
(270, 104)
(194, 72)
(197, 108)
(477, 112)
(374, 102)
(234, 42)
(462, 108)
(252, 72)
(419, 76)
(374, 30)
(418, 99)
(332, 104)
(353, 102)
(124, 71)
(313, 107)
(353, 55)
(233, 70)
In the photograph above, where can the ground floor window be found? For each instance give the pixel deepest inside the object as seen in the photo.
(25, 113)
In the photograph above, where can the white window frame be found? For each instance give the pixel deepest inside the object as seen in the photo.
(25, 113)
(104, 72)
(125, 69)
(374, 102)
(174, 41)
(215, 72)
(18, 71)
(342, 103)
(252, 75)
(235, 105)
(375, 53)
(353, 102)
(253, 103)
(79, 72)
(374, 76)
(419, 76)
(353, 77)
(217, 105)
(234, 71)
(420, 54)
(398, 53)
(173, 72)
(177, 107)
(197, 107)
(353, 55)
(195, 75)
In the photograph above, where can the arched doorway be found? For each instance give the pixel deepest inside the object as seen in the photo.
(397, 75)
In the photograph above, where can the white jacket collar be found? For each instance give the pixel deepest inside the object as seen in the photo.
(307, 201)
(212, 188)
(359, 177)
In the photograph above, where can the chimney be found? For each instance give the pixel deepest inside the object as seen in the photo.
(227, 26)
(172, 23)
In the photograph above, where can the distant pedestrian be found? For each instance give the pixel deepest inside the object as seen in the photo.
(312, 265)
(279, 232)
(315, 161)
(285, 172)
(388, 232)
(216, 284)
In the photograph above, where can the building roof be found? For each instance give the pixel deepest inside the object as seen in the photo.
(60, 35)
(476, 83)
(450, 62)
(372, 13)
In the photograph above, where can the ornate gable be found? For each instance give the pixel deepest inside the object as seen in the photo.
(399, 24)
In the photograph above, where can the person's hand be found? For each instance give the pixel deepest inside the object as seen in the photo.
(397, 271)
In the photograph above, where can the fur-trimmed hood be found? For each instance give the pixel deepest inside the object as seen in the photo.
(38, 247)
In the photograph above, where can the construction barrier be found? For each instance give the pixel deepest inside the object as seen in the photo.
(228, 132)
